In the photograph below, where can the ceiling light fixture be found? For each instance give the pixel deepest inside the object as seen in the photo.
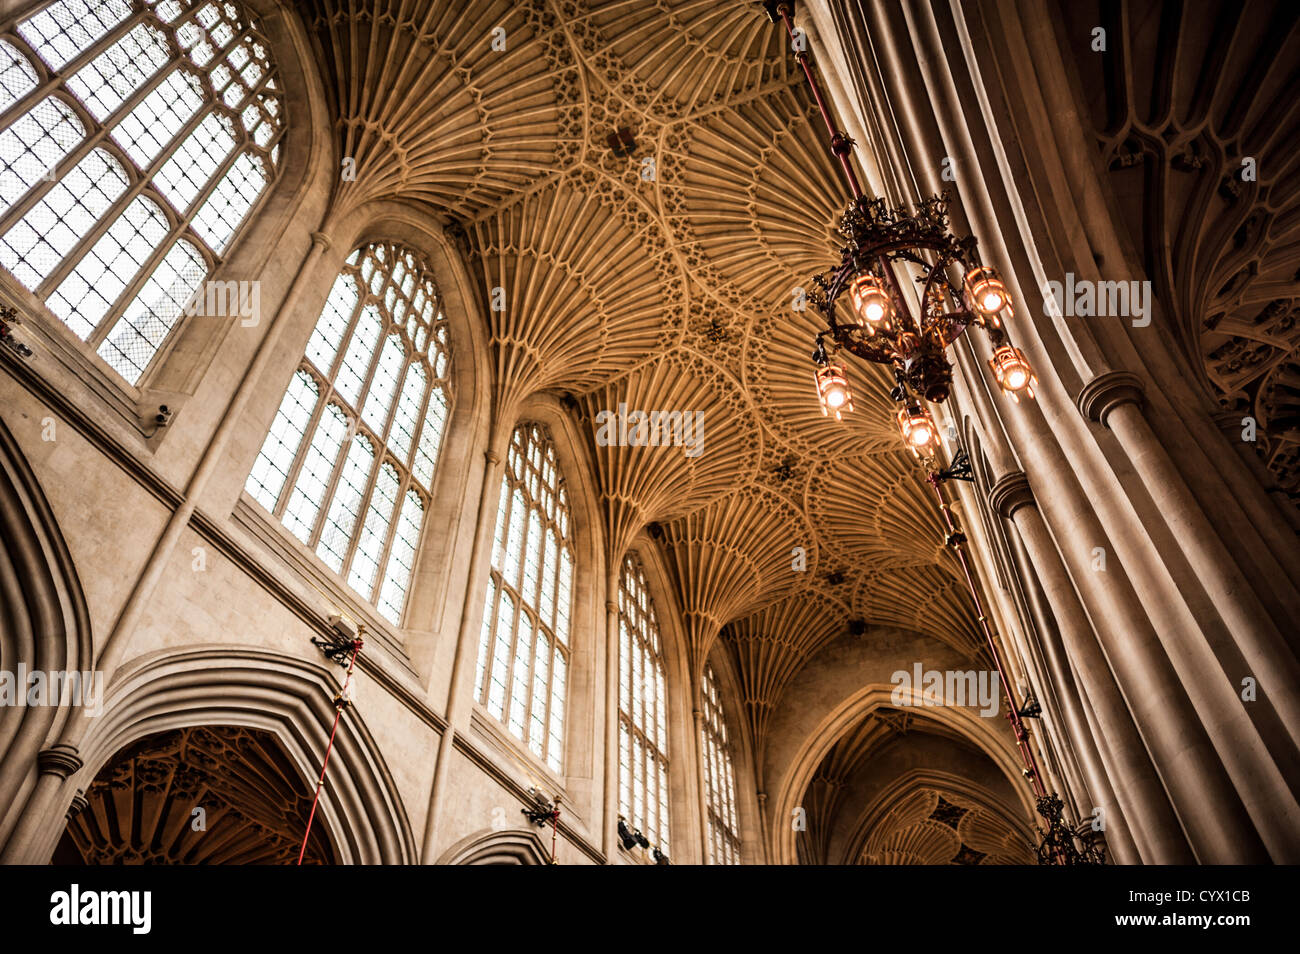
(877, 323)
(880, 327)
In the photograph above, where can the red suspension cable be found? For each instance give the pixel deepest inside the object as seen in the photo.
(340, 704)
(555, 830)
(842, 147)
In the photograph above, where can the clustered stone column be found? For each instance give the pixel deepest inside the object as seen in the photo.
(1157, 581)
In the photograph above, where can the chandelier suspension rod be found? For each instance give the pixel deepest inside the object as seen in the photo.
(841, 146)
(955, 540)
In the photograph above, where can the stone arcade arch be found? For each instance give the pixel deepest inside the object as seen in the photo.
(44, 626)
(977, 816)
(978, 731)
(291, 699)
(203, 795)
(512, 847)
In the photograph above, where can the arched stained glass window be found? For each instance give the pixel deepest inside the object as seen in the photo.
(719, 778)
(135, 139)
(523, 659)
(642, 710)
(372, 392)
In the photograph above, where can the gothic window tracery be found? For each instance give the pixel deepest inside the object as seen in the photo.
(719, 777)
(135, 141)
(523, 658)
(372, 392)
(642, 710)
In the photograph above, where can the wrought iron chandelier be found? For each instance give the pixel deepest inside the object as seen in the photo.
(877, 324)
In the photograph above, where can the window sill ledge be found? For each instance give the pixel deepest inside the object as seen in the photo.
(75, 381)
(517, 759)
(266, 530)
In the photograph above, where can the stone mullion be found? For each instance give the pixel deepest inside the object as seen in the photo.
(553, 637)
(355, 427)
(138, 181)
(47, 79)
(96, 135)
(480, 687)
(516, 590)
(144, 178)
(405, 481)
(327, 497)
(529, 603)
(363, 509)
(341, 456)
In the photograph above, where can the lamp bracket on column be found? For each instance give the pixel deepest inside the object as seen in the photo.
(1030, 708)
(959, 468)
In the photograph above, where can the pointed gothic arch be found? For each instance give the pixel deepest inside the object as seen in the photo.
(289, 698)
(512, 847)
(44, 624)
(849, 712)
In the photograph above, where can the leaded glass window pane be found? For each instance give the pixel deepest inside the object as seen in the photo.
(53, 227)
(32, 145)
(17, 78)
(154, 311)
(523, 659)
(85, 296)
(193, 119)
(356, 500)
(272, 467)
(719, 778)
(109, 79)
(62, 30)
(643, 750)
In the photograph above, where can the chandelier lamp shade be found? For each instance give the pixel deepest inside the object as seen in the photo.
(871, 303)
(867, 314)
(833, 389)
(1012, 372)
(984, 293)
(918, 430)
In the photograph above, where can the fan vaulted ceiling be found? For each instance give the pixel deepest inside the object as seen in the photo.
(662, 278)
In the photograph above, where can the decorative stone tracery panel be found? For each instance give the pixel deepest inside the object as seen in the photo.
(202, 795)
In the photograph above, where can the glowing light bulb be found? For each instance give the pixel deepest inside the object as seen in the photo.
(833, 390)
(918, 430)
(1012, 371)
(986, 295)
(870, 301)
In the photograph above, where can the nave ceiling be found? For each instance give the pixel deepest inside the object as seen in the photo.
(664, 291)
